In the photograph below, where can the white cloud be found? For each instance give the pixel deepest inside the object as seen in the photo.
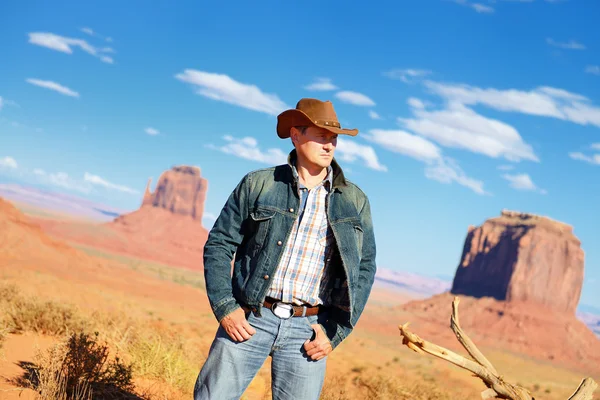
(355, 98)
(208, 219)
(89, 31)
(408, 75)
(6, 102)
(374, 115)
(221, 87)
(522, 182)
(415, 103)
(505, 167)
(446, 170)
(53, 86)
(480, 8)
(209, 216)
(439, 168)
(593, 69)
(460, 127)
(405, 143)
(8, 162)
(595, 146)
(593, 159)
(321, 84)
(570, 45)
(151, 131)
(542, 101)
(66, 44)
(39, 171)
(63, 179)
(349, 150)
(247, 148)
(96, 180)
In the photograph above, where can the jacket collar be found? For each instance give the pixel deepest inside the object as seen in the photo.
(339, 179)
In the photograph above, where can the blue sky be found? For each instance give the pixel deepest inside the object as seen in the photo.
(463, 108)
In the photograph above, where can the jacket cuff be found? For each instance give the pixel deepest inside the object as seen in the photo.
(224, 308)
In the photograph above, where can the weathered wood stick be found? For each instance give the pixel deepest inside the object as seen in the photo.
(503, 389)
(585, 391)
(481, 367)
(466, 341)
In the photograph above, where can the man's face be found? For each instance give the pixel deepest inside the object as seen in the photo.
(316, 146)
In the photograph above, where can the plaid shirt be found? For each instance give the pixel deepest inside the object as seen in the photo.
(302, 274)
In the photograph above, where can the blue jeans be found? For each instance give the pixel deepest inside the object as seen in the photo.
(231, 365)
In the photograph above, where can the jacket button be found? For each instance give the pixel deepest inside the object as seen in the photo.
(266, 277)
(279, 243)
(291, 210)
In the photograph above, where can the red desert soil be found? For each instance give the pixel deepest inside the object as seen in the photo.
(82, 279)
(522, 328)
(149, 234)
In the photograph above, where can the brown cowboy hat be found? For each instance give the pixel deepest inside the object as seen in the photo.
(311, 112)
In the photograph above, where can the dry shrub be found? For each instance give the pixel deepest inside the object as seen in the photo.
(21, 314)
(79, 369)
(155, 352)
(3, 333)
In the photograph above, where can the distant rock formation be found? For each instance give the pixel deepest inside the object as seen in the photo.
(181, 190)
(167, 228)
(519, 279)
(168, 225)
(522, 257)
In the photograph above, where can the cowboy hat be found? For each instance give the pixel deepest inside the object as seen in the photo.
(311, 112)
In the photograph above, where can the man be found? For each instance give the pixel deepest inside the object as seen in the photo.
(304, 265)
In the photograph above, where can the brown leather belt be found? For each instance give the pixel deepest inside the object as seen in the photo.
(286, 310)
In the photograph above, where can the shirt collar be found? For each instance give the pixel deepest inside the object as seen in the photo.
(328, 177)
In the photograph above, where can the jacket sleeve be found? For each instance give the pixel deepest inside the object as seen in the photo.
(361, 290)
(221, 245)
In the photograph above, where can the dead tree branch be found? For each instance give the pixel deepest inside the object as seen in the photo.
(497, 387)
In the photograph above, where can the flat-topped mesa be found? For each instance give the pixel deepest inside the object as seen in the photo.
(522, 257)
(523, 218)
(181, 190)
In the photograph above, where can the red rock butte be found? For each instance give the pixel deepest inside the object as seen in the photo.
(522, 257)
(520, 278)
(181, 190)
(167, 228)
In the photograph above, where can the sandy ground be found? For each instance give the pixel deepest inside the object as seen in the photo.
(45, 266)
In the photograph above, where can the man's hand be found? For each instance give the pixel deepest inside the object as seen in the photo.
(237, 327)
(320, 346)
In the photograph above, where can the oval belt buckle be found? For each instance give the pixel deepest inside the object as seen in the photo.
(282, 310)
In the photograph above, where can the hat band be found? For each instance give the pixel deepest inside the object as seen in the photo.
(335, 124)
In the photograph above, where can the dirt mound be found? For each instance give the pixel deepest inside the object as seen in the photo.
(21, 240)
(524, 328)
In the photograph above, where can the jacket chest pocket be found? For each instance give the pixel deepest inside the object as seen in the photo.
(262, 219)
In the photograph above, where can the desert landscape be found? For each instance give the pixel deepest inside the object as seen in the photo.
(119, 299)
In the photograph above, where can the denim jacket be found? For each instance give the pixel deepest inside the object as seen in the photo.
(252, 230)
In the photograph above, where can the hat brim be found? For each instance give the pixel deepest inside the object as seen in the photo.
(290, 118)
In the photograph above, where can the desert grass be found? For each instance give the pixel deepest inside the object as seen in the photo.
(156, 352)
(166, 342)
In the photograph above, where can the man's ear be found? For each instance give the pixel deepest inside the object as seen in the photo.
(294, 135)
